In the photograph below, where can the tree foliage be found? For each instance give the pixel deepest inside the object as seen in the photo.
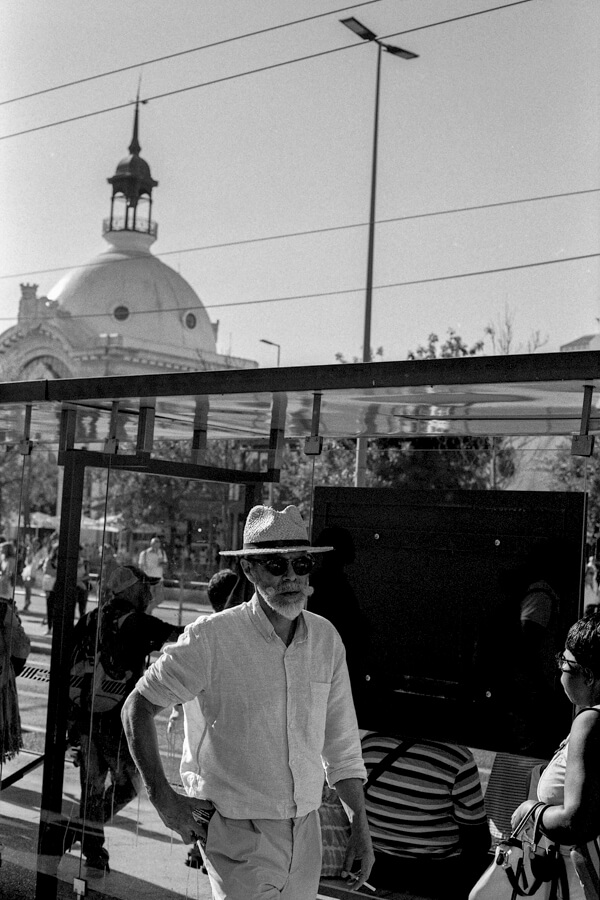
(453, 347)
(419, 462)
(579, 474)
(27, 483)
(301, 473)
(434, 462)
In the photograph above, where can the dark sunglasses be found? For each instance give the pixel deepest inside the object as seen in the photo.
(278, 565)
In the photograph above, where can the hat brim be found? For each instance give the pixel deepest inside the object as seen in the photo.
(127, 583)
(273, 551)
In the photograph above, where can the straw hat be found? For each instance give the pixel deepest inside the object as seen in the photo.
(268, 531)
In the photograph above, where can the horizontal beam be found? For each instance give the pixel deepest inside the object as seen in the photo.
(581, 367)
(166, 467)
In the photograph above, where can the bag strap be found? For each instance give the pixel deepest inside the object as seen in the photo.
(535, 813)
(515, 877)
(387, 762)
(537, 825)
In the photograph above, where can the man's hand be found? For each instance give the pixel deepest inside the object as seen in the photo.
(188, 816)
(360, 847)
(175, 810)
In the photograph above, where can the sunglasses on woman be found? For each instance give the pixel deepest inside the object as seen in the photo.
(278, 565)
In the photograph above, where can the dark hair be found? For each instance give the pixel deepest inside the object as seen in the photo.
(583, 640)
(220, 587)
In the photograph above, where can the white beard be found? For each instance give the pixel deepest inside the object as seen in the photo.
(289, 609)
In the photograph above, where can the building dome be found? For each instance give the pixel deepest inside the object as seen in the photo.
(134, 167)
(127, 290)
(124, 312)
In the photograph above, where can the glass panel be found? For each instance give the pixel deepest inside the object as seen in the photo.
(29, 486)
(446, 537)
(422, 586)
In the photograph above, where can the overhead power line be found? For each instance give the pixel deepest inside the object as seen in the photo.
(192, 87)
(166, 57)
(321, 294)
(311, 231)
(256, 71)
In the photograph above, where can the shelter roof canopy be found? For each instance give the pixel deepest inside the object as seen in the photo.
(538, 394)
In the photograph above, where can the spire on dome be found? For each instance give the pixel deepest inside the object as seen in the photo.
(134, 147)
(132, 181)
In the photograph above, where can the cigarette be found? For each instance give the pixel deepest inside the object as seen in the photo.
(370, 886)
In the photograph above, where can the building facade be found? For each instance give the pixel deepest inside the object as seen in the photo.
(124, 312)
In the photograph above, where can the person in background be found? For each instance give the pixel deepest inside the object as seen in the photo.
(8, 571)
(14, 650)
(82, 587)
(272, 709)
(541, 637)
(29, 570)
(590, 590)
(153, 561)
(48, 582)
(220, 587)
(570, 784)
(108, 564)
(426, 815)
(529, 625)
(127, 635)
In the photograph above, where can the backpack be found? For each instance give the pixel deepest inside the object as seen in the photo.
(99, 680)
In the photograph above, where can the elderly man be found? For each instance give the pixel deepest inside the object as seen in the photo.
(110, 648)
(272, 713)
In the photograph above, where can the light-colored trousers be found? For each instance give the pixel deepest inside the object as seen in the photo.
(264, 859)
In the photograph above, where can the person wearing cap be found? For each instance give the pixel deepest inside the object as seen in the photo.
(269, 714)
(127, 635)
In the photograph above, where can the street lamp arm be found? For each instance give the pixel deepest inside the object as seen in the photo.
(273, 344)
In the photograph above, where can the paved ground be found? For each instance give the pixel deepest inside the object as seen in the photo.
(146, 860)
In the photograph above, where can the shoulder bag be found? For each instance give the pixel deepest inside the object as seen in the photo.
(525, 865)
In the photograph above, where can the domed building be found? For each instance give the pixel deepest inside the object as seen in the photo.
(124, 312)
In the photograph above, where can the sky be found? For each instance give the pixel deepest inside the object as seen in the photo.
(500, 111)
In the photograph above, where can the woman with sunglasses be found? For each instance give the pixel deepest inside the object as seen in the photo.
(570, 783)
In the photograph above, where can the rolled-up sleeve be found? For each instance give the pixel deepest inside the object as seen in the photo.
(342, 756)
(179, 674)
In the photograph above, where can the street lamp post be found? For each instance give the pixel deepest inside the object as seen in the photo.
(109, 341)
(273, 344)
(367, 35)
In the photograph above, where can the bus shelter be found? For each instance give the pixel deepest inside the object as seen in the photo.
(429, 563)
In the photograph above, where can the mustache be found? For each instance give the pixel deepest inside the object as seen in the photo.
(306, 589)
